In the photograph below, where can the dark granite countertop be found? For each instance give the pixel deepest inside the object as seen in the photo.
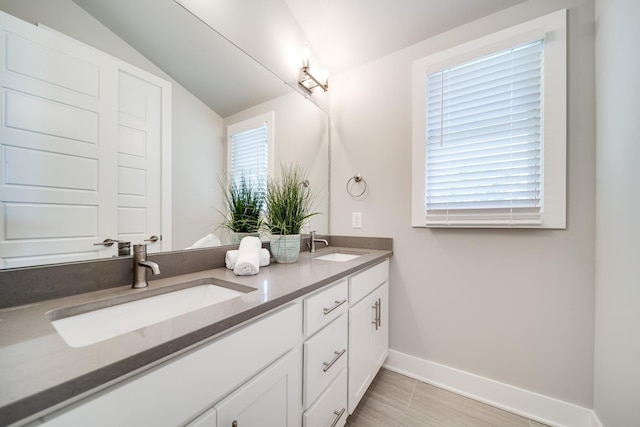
(39, 370)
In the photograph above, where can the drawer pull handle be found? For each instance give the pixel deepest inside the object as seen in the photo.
(328, 365)
(338, 304)
(338, 415)
(376, 320)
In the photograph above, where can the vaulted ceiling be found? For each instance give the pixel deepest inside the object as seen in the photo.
(347, 33)
(342, 33)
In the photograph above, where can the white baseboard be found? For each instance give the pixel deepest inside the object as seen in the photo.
(537, 407)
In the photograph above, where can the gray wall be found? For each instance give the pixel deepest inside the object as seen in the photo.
(617, 338)
(516, 306)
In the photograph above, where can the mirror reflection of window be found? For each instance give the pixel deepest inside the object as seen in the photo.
(249, 148)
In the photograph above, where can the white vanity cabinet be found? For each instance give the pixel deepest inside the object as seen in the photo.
(368, 328)
(230, 373)
(307, 363)
(325, 357)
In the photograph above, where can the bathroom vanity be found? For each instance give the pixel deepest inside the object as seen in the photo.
(298, 344)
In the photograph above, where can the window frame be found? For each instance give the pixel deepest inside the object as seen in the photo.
(266, 119)
(552, 28)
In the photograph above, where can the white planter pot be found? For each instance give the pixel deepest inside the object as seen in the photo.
(285, 248)
(236, 237)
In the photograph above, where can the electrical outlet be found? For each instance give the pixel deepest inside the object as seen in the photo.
(356, 219)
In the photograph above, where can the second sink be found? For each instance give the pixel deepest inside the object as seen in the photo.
(338, 257)
(100, 324)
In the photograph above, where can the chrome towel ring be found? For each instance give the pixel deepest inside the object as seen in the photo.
(356, 179)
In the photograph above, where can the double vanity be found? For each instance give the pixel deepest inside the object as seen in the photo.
(295, 345)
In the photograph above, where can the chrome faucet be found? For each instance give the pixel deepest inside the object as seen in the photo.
(313, 240)
(140, 265)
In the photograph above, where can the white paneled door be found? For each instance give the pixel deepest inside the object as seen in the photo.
(139, 149)
(80, 143)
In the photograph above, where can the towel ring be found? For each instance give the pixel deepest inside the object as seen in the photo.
(356, 179)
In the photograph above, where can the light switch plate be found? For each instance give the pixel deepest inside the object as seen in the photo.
(356, 219)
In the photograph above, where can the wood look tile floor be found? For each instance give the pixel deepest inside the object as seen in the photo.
(394, 400)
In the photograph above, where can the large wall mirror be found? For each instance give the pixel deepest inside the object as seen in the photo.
(214, 85)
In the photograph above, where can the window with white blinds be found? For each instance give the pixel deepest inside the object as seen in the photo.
(249, 145)
(490, 146)
(484, 134)
(249, 155)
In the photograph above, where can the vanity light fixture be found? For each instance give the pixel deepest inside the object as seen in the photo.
(308, 80)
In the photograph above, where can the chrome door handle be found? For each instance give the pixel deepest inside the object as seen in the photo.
(338, 304)
(153, 239)
(338, 415)
(108, 242)
(379, 313)
(328, 365)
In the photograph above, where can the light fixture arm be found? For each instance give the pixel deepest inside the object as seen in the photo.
(309, 81)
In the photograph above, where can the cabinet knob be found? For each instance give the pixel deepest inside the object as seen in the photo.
(234, 423)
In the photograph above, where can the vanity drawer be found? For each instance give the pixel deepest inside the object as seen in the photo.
(321, 308)
(363, 283)
(325, 355)
(331, 407)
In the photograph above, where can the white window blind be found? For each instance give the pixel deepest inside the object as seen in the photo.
(484, 139)
(249, 156)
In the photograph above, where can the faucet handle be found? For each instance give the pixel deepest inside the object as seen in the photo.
(140, 248)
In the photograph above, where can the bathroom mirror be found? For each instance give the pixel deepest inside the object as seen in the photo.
(214, 84)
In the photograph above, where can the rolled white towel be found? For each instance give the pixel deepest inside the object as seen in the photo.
(207, 241)
(248, 261)
(231, 257)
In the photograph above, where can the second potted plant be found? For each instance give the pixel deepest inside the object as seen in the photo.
(244, 202)
(289, 208)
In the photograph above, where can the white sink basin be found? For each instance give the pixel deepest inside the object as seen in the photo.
(337, 257)
(104, 323)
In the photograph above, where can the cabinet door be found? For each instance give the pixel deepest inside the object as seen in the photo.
(380, 336)
(272, 398)
(361, 323)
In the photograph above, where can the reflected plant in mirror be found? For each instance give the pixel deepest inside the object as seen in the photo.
(244, 200)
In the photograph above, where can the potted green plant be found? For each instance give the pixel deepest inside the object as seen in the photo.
(289, 208)
(244, 203)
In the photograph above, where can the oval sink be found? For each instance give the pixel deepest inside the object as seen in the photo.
(98, 325)
(337, 257)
